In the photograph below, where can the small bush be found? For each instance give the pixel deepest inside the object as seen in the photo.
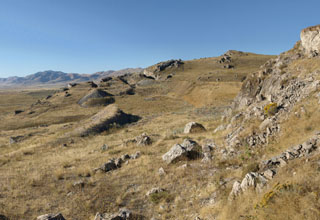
(156, 198)
(271, 109)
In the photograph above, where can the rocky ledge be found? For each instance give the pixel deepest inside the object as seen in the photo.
(310, 40)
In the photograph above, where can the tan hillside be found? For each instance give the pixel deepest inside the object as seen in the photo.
(252, 152)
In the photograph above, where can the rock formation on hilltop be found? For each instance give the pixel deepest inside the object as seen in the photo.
(156, 71)
(310, 40)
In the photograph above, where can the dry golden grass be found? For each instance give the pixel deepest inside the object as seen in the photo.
(38, 174)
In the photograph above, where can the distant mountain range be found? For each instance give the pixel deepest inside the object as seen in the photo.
(51, 77)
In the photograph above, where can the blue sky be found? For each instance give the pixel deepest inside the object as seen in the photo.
(86, 36)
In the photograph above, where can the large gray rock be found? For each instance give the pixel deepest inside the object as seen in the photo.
(189, 149)
(177, 152)
(51, 217)
(193, 127)
(310, 40)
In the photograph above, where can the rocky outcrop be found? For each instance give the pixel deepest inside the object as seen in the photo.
(51, 217)
(107, 118)
(310, 40)
(193, 127)
(225, 59)
(268, 168)
(189, 149)
(155, 71)
(272, 84)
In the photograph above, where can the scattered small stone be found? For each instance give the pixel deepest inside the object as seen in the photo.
(136, 155)
(161, 171)
(183, 167)
(51, 217)
(114, 164)
(17, 112)
(69, 194)
(118, 162)
(219, 128)
(123, 214)
(228, 66)
(70, 85)
(154, 191)
(143, 140)
(79, 184)
(125, 157)
(104, 147)
(16, 139)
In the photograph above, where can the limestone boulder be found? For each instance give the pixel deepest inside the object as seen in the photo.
(310, 40)
(193, 127)
(189, 149)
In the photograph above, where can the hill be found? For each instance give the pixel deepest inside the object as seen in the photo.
(58, 78)
(228, 137)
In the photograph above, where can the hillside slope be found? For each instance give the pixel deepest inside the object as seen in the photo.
(116, 166)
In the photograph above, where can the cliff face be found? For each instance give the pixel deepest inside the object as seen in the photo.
(310, 40)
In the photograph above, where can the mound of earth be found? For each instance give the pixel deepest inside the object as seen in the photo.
(111, 116)
(96, 97)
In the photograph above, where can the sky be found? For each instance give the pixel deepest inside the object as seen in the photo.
(86, 36)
